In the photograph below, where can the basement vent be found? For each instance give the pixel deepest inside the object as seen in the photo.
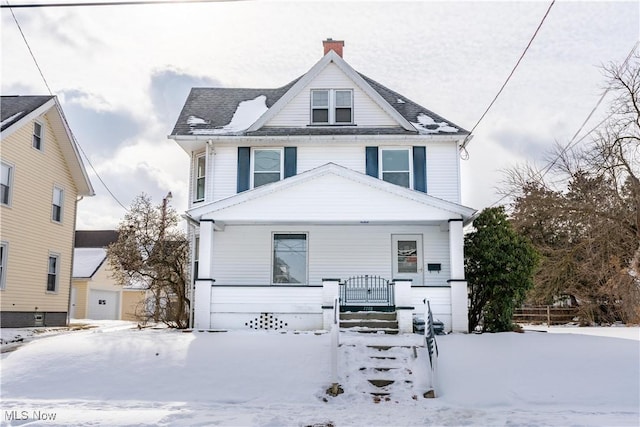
(266, 321)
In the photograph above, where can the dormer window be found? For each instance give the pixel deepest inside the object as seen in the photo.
(331, 106)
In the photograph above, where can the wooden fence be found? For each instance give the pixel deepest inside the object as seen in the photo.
(545, 314)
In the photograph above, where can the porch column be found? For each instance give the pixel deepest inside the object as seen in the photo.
(204, 281)
(404, 305)
(459, 295)
(330, 291)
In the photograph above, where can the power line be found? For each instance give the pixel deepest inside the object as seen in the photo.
(573, 142)
(466, 140)
(107, 3)
(30, 51)
(100, 178)
(35, 61)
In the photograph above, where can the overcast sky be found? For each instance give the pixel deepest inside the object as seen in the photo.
(123, 73)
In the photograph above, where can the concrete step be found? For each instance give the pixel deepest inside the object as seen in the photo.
(372, 324)
(368, 315)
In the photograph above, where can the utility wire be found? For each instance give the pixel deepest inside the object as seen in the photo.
(573, 142)
(35, 61)
(466, 140)
(107, 3)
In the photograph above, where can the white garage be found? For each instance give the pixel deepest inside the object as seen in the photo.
(103, 305)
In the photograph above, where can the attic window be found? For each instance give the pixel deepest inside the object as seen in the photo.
(37, 136)
(331, 106)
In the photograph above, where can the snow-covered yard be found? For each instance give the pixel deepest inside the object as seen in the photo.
(120, 376)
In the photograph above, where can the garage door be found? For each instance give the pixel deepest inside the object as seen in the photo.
(103, 305)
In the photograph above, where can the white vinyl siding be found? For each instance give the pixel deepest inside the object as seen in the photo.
(351, 156)
(242, 253)
(225, 172)
(366, 112)
(442, 165)
(6, 184)
(443, 173)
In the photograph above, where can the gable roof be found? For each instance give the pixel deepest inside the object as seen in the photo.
(14, 108)
(358, 195)
(95, 238)
(16, 111)
(87, 261)
(208, 110)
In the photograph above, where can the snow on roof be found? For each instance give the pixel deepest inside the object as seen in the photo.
(245, 115)
(87, 260)
(9, 120)
(193, 120)
(426, 124)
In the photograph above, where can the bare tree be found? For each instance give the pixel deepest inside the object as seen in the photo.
(152, 253)
(586, 226)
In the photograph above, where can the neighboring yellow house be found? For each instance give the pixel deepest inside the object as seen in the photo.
(94, 293)
(43, 179)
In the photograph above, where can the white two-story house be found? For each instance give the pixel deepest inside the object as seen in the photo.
(295, 191)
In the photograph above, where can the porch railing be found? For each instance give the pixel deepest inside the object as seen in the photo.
(367, 290)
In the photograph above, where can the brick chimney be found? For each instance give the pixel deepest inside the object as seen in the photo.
(335, 45)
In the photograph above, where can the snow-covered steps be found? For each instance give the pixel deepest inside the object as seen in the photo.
(382, 367)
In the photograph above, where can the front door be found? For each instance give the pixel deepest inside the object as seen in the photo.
(407, 257)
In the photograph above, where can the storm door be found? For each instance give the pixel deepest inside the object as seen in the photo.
(407, 257)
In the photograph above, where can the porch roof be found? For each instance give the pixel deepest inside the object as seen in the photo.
(331, 194)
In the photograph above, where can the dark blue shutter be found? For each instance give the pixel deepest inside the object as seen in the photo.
(372, 161)
(244, 168)
(290, 161)
(420, 169)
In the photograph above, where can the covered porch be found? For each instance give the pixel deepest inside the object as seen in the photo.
(265, 260)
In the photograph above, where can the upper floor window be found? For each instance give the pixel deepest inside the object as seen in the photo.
(52, 274)
(331, 106)
(267, 166)
(3, 263)
(56, 205)
(37, 136)
(6, 184)
(396, 166)
(201, 166)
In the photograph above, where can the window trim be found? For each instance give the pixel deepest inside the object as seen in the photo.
(381, 170)
(196, 178)
(332, 107)
(4, 256)
(40, 146)
(56, 273)
(9, 184)
(252, 163)
(273, 253)
(53, 204)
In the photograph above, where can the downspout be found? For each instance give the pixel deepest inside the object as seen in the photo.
(73, 247)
